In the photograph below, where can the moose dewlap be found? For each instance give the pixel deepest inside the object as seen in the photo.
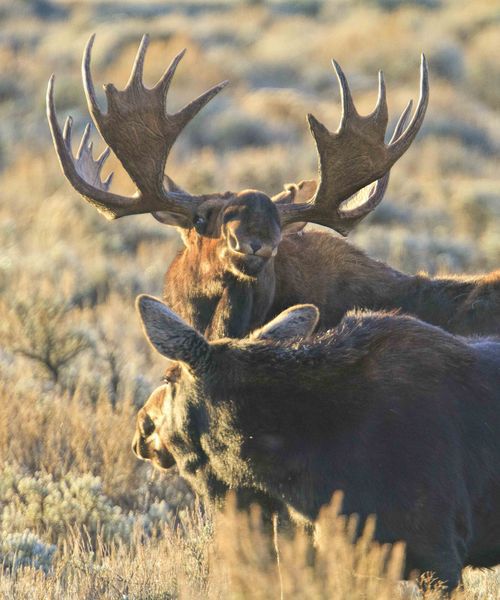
(401, 416)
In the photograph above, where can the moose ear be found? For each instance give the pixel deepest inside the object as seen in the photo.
(292, 228)
(305, 190)
(296, 193)
(297, 321)
(168, 333)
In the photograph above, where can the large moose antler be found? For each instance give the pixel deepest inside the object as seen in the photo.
(355, 156)
(368, 197)
(140, 132)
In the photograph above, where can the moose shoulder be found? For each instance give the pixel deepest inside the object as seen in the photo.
(400, 415)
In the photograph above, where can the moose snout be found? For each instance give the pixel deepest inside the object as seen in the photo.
(251, 247)
(255, 246)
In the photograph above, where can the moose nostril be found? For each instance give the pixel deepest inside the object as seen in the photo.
(148, 426)
(255, 246)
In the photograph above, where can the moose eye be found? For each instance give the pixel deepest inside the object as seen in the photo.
(171, 375)
(200, 224)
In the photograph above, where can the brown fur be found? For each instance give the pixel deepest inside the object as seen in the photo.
(204, 287)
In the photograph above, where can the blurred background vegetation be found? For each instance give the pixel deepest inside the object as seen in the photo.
(73, 363)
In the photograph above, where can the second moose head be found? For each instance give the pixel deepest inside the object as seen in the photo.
(248, 224)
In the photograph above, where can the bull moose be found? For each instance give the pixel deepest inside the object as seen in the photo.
(400, 415)
(239, 267)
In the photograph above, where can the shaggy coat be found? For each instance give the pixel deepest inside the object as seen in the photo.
(401, 416)
(221, 298)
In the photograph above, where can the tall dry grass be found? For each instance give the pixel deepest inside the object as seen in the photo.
(80, 517)
(228, 556)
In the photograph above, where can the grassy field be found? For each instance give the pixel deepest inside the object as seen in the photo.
(80, 516)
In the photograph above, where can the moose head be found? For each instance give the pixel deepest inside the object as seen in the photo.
(249, 224)
(166, 432)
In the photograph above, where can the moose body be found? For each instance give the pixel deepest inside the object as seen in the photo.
(240, 267)
(207, 290)
(401, 416)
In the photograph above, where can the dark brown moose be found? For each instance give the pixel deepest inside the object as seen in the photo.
(400, 415)
(239, 267)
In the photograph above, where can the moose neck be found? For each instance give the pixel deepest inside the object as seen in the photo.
(335, 276)
(210, 295)
(243, 304)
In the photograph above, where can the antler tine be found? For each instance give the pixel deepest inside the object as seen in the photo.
(348, 108)
(164, 82)
(88, 84)
(402, 121)
(355, 156)
(135, 78)
(381, 112)
(67, 130)
(84, 140)
(403, 142)
(103, 157)
(193, 108)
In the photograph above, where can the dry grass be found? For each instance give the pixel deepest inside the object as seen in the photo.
(226, 557)
(80, 517)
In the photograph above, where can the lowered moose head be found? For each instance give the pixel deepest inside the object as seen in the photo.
(169, 424)
(248, 224)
